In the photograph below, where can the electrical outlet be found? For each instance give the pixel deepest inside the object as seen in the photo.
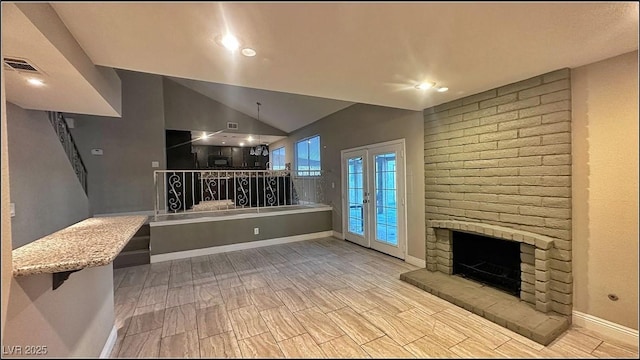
(256, 231)
(155, 164)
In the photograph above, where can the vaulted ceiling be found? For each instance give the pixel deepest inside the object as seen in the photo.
(372, 53)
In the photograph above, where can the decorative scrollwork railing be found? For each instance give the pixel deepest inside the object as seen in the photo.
(64, 135)
(193, 191)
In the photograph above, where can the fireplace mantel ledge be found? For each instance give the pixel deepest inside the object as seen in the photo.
(539, 241)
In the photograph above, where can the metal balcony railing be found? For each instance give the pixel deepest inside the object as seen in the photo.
(201, 191)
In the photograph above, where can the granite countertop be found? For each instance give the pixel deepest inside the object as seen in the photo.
(90, 243)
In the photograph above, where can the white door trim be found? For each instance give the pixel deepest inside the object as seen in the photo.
(404, 240)
(355, 238)
(364, 147)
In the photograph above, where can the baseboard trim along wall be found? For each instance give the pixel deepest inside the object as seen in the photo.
(235, 247)
(415, 261)
(338, 235)
(111, 342)
(605, 327)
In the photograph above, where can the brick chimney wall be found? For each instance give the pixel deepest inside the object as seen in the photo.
(503, 157)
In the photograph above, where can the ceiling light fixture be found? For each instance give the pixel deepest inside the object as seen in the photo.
(442, 89)
(259, 149)
(35, 82)
(241, 144)
(248, 52)
(250, 138)
(425, 85)
(230, 42)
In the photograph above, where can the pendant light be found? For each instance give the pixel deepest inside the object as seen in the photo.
(259, 149)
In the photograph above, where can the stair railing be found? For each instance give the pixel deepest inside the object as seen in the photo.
(64, 135)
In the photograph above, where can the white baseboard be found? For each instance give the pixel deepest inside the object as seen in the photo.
(111, 342)
(605, 327)
(235, 247)
(338, 235)
(415, 261)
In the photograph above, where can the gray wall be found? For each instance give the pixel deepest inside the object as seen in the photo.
(48, 197)
(121, 180)
(225, 232)
(44, 187)
(186, 109)
(7, 267)
(74, 320)
(503, 157)
(360, 125)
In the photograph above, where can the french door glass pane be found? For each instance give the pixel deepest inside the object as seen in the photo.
(355, 191)
(386, 204)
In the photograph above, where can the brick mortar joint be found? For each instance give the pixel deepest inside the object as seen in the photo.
(480, 228)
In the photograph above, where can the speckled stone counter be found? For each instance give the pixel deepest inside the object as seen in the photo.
(90, 243)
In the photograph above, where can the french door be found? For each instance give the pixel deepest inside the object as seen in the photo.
(373, 199)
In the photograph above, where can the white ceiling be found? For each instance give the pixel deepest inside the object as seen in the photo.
(371, 53)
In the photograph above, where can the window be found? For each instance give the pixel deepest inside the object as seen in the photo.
(277, 159)
(308, 156)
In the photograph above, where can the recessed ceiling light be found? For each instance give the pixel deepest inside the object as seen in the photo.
(442, 89)
(248, 52)
(241, 144)
(35, 82)
(230, 42)
(250, 138)
(425, 85)
(223, 143)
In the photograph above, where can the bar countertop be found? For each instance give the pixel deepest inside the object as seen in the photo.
(89, 243)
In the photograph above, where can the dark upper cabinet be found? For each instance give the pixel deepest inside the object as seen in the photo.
(183, 155)
(179, 155)
(237, 156)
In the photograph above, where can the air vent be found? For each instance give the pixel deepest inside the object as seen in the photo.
(232, 125)
(20, 65)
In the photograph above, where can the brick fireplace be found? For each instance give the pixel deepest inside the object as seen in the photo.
(535, 274)
(498, 164)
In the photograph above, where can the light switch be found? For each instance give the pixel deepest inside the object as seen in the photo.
(12, 207)
(155, 164)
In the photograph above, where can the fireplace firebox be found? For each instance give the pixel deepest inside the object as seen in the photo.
(488, 260)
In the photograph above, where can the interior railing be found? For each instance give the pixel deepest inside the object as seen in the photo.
(200, 191)
(64, 135)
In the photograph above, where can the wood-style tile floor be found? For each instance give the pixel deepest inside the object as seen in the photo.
(319, 298)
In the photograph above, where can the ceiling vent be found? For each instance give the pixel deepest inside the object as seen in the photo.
(20, 65)
(232, 125)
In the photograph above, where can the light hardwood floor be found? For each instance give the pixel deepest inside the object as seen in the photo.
(318, 298)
